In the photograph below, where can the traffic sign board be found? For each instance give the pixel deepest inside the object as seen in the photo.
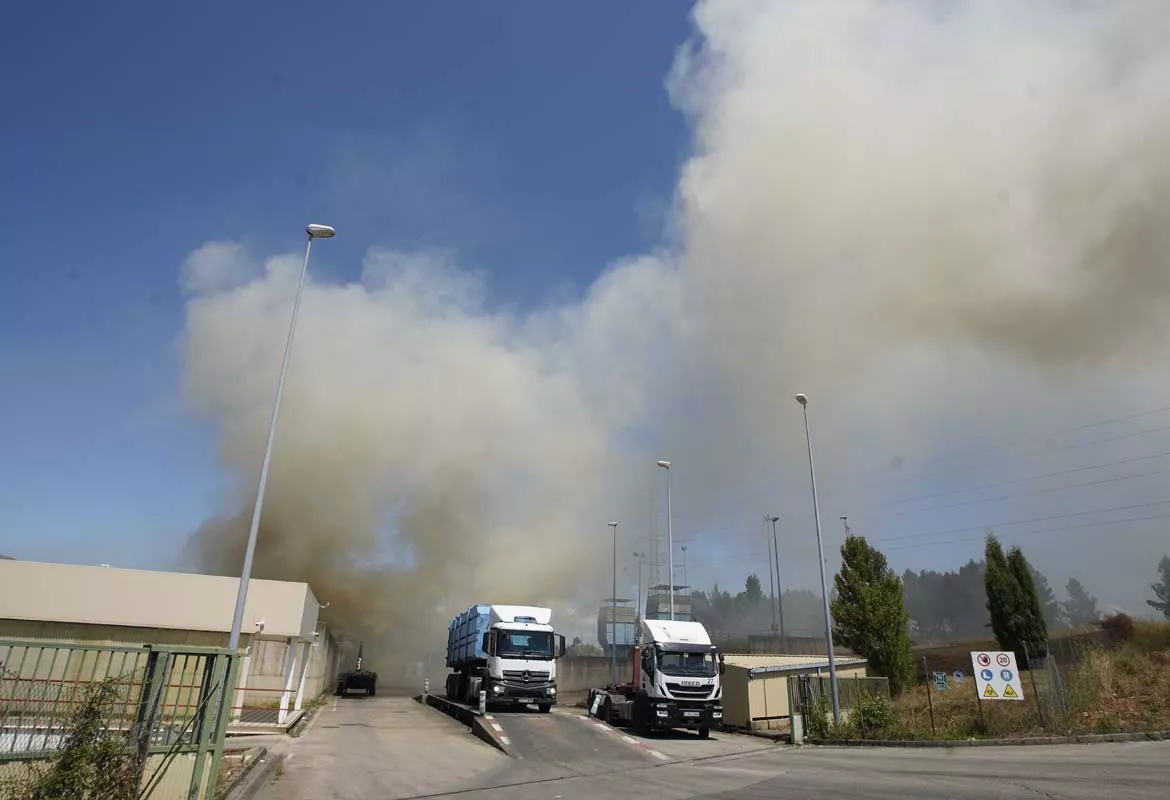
(990, 684)
(958, 676)
(940, 681)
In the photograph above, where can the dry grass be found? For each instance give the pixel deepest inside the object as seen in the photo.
(1109, 686)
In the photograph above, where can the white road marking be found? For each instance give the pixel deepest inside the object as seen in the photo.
(629, 739)
(659, 756)
(496, 727)
(505, 740)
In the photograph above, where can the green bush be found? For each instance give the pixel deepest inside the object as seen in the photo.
(874, 718)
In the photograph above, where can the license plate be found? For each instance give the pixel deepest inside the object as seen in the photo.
(525, 700)
(690, 713)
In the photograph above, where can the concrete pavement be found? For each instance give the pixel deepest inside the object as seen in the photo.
(395, 748)
(1133, 771)
(383, 747)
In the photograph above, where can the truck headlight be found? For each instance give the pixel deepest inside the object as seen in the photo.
(552, 691)
(497, 688)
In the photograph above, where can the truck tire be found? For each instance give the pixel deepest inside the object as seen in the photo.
(545, 708)
(607, 711)
(370, 691)
(341, 687)
(704, 732)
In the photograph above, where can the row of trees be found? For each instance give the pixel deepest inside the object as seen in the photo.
(950, 605)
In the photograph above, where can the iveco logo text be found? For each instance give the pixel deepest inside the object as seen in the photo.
(693, 683)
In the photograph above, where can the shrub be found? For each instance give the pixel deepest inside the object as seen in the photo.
(875, 717)
(816, 721)
(1118, 628)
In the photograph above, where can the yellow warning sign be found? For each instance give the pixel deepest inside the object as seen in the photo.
(990, 692)
(1008, 691)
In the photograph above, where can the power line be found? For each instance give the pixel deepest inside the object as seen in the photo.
(1066, 446)
(1023, 521)
(1032, 493)
(997, 484)
(1049, 434)
(1030, 533)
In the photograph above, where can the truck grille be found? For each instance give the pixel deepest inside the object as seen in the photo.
(689, 692)
(525, 676)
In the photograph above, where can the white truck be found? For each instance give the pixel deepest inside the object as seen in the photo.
(677, 682)
(508, 652)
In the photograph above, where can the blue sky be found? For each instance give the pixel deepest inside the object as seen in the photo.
(536, 138)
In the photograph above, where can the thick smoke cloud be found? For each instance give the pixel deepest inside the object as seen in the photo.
(899, 208)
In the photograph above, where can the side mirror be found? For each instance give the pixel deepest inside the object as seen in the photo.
(560, 646)
(722, 666)
(487, 643)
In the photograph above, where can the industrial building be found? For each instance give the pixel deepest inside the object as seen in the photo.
(290, 655)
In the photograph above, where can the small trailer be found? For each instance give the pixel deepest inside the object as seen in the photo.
(357, 679)
(676, 682)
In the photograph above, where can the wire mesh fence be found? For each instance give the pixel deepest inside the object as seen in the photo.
(88, 714)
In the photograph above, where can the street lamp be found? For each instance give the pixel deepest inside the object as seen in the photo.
(684, 552)
(771, 577)
(779, 585)
(314, 232)
(638, 609)
(803, 400)
(613, 612)
(669, 537)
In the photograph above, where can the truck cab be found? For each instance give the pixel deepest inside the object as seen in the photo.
(521, 659)
(679, 681)
(508, 652)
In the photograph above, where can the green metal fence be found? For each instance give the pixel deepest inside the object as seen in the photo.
(162, 710)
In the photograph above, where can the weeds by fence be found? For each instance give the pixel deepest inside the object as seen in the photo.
(1110, 680)
(85, 722)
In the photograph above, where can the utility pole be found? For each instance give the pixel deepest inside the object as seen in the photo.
(771, 576)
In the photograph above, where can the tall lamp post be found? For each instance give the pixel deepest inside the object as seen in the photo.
(779, 584)
(684, 552)
(771, 575)
(613, 613)
(638, 609)
(314, 232)
(669, 536)
(803, 400)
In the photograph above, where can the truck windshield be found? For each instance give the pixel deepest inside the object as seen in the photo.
(698, 664)
(524, 644)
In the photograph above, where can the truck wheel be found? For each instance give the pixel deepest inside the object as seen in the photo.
(607, 711)
(704, 732)
(370, 691)
(544, 708)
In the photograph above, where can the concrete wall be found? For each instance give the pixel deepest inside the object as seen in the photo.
(267, 664)
(576, 674)
(136, 598)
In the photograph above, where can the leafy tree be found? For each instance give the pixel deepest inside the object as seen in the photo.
(1162, 589)
(1016, 617)
(1002, 592)
(1033, 631)
(1053, 611)
(1081, 607)
(947, 605)
(869, 612)
(753, 590)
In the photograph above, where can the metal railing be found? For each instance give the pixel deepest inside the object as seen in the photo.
(152, 704)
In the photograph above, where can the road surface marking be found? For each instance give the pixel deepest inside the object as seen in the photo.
(630, 739)
(496, 727)
(505, 740)
(659, 756)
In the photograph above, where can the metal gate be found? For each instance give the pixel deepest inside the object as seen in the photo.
(157, 715)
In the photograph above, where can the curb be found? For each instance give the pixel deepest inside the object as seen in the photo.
(254, 776)
(1088, 738)
(481, 727)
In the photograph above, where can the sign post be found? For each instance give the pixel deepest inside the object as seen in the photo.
(940, 681)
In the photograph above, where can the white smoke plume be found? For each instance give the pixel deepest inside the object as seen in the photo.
(927, 216)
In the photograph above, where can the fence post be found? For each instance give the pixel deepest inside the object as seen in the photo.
(153, 685)
(929, 698)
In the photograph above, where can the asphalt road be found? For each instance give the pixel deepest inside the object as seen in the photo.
(394, 748)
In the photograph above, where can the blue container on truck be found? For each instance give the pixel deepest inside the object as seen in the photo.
(508, 652)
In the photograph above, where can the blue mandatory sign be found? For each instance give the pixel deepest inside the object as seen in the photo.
(1006, 674)
(986, 674)
(958, 676)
